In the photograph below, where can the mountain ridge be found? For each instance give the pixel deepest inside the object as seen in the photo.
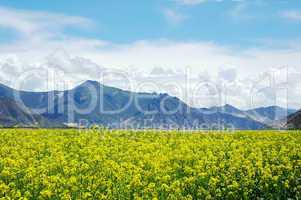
(160, 110)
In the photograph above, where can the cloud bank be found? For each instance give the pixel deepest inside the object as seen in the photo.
(200, 73)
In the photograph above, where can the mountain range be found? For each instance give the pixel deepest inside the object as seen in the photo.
(94, 103)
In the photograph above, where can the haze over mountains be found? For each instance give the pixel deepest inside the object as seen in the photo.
(94, 103)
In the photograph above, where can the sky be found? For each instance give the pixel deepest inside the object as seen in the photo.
(206, 52)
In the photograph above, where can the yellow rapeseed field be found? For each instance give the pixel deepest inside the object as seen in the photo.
(73, 164)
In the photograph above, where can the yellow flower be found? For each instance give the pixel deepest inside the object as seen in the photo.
(46, 193)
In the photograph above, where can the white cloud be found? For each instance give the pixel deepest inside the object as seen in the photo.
(291, 15)
(228, 74)
(197, 2)
(244, 83)
(238, 10)
(190, 2)
(180, 65)
(241, 10)
(173, 16)
(29, 23)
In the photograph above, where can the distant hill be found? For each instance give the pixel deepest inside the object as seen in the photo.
(229, 109)
(271, 114)
(294, 121)
(94, 103)
(13, 114)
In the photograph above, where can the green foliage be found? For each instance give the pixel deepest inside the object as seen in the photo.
(69, 164)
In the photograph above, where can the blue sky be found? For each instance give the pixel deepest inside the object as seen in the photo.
(237, 46)
(227, 22)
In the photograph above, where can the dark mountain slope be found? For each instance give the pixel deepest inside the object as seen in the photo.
(13, 114)
(294, 121)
